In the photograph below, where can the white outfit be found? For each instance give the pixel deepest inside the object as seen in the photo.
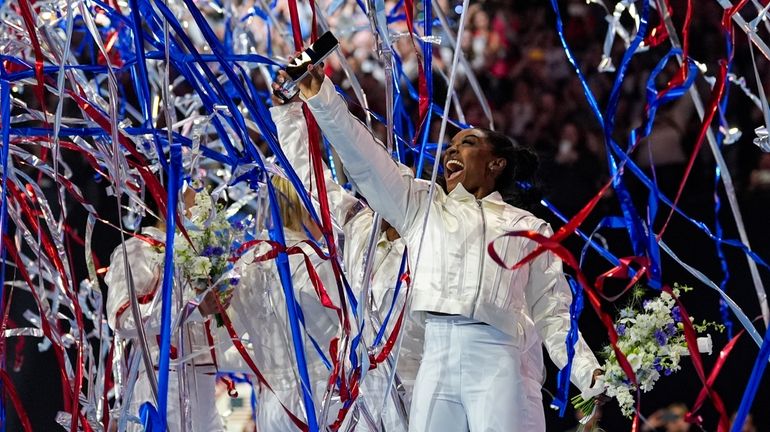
(259, 316)
(456, 275)
(464, 364)
(147, 272)
(356, 220)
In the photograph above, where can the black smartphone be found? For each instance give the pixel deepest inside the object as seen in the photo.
(297, 69)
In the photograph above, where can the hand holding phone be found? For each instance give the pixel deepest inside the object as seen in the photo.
(299, 67)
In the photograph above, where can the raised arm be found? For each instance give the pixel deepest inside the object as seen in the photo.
(293, 137)
(549, 299)
(389, 189)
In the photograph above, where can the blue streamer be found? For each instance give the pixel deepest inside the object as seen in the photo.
(562, 394)
(316, 346)
(384, 326)
(164, 357)
(635, 228)
(150, 418)
(753, 385)
(5, 111)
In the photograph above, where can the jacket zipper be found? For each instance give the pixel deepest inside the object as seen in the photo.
(481, 257)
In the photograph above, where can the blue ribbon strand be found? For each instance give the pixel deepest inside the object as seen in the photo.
(173, 187)
(5, 112)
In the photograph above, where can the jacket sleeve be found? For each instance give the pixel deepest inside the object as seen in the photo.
(246, 312)
(389, 189)
(145, 270)
(293, 137)
(549, 299)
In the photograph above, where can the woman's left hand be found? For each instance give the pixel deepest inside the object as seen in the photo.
(279, 80)
(209, 304)
(601, 398)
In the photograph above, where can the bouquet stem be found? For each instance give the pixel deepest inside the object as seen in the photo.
(587, 408)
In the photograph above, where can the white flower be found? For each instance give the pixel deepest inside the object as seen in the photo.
(199, 268)
(705, 345)
(201, 211)
(635, 360)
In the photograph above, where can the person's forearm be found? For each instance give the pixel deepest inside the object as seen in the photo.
(293, 138)
(366, 161)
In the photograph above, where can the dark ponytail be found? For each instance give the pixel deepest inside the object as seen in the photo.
(518, 183)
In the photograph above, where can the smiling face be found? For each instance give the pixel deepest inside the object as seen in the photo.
(470, 160)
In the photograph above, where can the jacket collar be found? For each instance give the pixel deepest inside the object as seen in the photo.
(459, 193)
(383, 240)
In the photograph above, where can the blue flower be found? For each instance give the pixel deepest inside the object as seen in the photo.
(676, 314)
(670, 329)
(621, 329)
(207, 251)
(667, 372)
(660, 337)
(656, 364)
(234, 281)
(217, 251)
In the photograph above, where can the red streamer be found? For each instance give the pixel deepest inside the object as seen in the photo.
(692, 345)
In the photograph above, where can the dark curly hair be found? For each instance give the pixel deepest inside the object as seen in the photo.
(518, 183)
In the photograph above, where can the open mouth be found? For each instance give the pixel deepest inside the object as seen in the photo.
(454, 169)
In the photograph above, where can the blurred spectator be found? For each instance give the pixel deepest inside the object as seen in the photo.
(669, 419)
(760, 177)
(748, 424)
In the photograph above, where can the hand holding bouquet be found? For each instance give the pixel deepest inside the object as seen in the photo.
(652, 339)
(206, 260)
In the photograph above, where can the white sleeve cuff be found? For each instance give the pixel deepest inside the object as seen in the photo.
(324, 97)
(595, 390)
(281, 112)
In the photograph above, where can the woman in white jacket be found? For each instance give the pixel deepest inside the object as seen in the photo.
(146, 266)
(258, 313)
(480, 316)
(356, 221)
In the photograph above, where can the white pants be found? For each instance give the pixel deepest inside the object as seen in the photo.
(471, 379)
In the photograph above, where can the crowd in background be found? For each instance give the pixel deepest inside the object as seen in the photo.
(537, 98)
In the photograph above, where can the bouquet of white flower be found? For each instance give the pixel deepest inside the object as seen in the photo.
(652, 339)
(206, 260)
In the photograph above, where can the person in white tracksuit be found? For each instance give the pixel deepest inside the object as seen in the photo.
(356, 221)
(258, 313)
(481, 318)
(146, 263)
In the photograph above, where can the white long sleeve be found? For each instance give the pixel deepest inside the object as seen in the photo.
(549, 298)
(293, 138)
(390, 188)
